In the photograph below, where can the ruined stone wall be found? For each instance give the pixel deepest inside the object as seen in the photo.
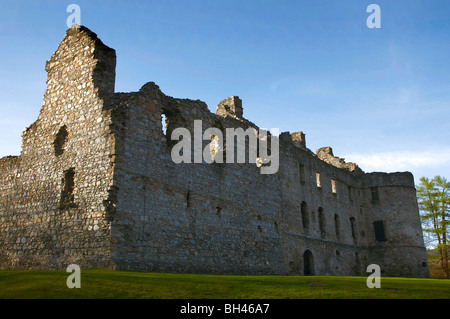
(337, 224)
(391, 199)
(96, 185)
(319, 202)
(52, 197)
(206, 218)
(228, 218)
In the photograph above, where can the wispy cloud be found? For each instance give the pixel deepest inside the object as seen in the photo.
(401, 161)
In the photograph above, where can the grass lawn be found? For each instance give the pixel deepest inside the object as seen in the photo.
(109, 284)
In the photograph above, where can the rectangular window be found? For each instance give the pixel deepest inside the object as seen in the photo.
(321, 222)
(337, 226)
(67, 197)
(350, 197)
(333, 186)
(301, 169)
(378, 227)
(374, 192)
(319, 184)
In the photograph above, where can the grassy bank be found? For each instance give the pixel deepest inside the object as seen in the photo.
(108, 284)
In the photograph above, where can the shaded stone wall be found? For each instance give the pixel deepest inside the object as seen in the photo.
(403, 252)
(219, 218)
(339, 224)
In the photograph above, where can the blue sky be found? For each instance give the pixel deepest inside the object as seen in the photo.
(378, 97)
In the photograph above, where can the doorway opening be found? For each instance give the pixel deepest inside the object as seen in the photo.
(308, 263)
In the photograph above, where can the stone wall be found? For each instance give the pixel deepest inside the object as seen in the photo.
(403, 252)
(188, 217)
(96, 185)
(46, 222)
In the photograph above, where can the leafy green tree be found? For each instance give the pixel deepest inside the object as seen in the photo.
(434, 203)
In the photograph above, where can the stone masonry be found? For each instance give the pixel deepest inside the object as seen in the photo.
(95, 185)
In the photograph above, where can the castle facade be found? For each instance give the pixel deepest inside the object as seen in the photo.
(96, 185)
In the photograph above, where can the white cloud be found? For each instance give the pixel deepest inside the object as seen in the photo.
(401, 161)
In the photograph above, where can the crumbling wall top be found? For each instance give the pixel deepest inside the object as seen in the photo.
(326, 155)
(81, 58)
(230, 106)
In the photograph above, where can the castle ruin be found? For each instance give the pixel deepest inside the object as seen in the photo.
(95, 185)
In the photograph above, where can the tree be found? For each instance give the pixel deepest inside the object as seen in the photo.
(434, 204)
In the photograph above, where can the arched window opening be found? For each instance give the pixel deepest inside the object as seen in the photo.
(337, 226)
(305, 216)
(321, 222)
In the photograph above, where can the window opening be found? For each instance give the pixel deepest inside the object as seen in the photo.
(305, 217)
(318, 182)
(301, 169)
(60, 140)
(321, 222)
(67, 197)
(378, 227)
(333, 186)
(308, 263)
(374, 192)
(164, 123)
(337, 226)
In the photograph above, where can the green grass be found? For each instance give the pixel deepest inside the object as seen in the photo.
(109, 284)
